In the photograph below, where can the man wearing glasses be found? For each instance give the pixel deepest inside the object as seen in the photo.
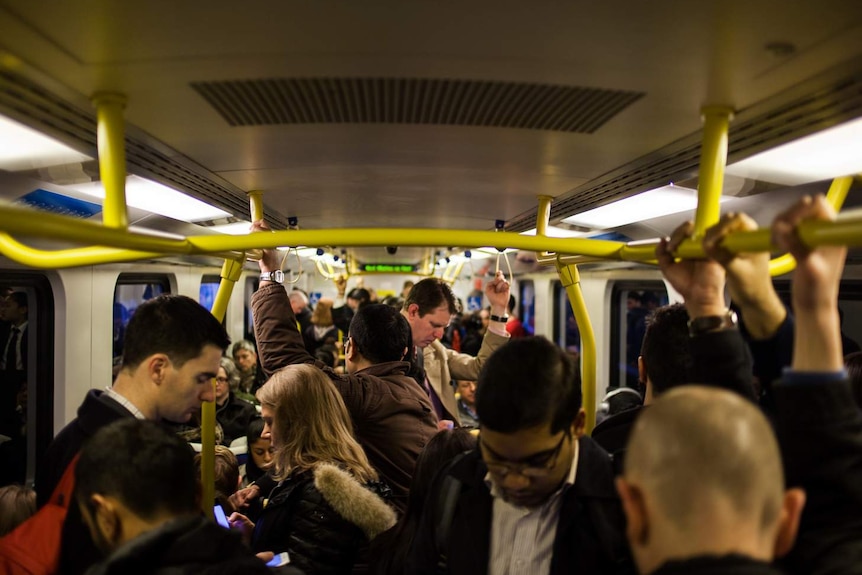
(537, 496)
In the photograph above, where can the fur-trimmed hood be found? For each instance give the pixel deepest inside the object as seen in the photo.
(352, 501)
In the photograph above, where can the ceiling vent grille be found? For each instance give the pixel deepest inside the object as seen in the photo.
(806, 109)
(29, 103)
(281, 101)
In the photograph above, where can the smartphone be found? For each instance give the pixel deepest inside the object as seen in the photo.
(220, 517)
(279, 560)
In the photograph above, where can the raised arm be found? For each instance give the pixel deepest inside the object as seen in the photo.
(818, 424)
(279, 342)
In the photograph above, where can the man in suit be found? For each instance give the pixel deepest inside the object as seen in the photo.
(13, 361)
(428, 308)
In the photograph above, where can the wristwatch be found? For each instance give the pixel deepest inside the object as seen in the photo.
(277, 276)
(708, 323)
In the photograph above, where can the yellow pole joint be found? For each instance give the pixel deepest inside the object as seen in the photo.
(112, 157)
(713, 157)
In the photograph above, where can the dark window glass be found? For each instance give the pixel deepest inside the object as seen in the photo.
(131, 291)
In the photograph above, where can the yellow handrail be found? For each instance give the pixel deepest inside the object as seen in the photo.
(713, 157)
(35, 258)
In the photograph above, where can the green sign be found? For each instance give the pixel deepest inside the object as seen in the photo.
(388, 268)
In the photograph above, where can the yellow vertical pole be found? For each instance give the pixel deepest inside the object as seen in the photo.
(112, 157)
(255, 204)
(231, 271)
(571, 280)
(713, 157)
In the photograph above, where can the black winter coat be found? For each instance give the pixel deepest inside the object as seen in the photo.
(234, 417)
(321, 519)
(192, 546)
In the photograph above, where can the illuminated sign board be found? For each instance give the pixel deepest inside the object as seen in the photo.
(388, 268)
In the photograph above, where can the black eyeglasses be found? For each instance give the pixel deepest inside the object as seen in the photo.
(540, 465)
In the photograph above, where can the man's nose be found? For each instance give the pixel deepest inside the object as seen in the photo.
(208, 393)
(438, 332)
(514, 481)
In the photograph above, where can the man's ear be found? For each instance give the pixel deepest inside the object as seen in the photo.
(788, 522)
(637, 519)
(579, 425)
(642, 369)
(404, 354)
(107, 518)
(413, 311)
(157, 366)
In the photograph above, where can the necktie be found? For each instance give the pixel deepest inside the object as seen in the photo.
(11, 350)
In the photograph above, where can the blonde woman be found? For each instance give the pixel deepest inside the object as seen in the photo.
(326, 503)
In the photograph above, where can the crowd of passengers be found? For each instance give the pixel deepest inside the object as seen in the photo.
(744, 457)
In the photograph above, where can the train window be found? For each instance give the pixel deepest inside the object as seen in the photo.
(131, 291)
(208, 291)
(527, 306)
(26, 374)
(566, 332)
(849, 306)
(631, 303)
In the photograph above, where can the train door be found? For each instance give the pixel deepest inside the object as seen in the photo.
(26, 374)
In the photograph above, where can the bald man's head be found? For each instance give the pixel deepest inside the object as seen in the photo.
(704, 468)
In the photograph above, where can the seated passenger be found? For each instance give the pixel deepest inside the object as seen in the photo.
(259, 453)
(324, 508)
(232, 413)
(538, 495)
(17, 504)
(136, 489)
(389, 551)
(251, 376)
(226, 476)
(467, 404)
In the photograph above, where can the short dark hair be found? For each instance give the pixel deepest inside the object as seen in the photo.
(175, 325)
(381, 333)
(150, 470)
(525, 383)
(362, 295)
(429, 294)
(665, 348)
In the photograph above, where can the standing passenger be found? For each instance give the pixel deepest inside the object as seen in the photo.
(170, 356)
(538, 495)
(392, 416)
(324, 507)
(429, 308)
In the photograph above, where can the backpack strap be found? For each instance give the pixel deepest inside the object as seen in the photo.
(447, 498)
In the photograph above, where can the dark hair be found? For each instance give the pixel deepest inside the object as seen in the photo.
(853, 363)
(252, 434)
(396, 542)
(429, 294)
(175, 325)
(327, 353)
(525, 383)
(665, 348)
(381, 333)
(362, 295)
(393, 300)
(150, 470)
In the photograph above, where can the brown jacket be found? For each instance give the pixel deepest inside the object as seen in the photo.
(392, 416)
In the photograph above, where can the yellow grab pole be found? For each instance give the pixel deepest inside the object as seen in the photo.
(713, 157)
(571, 280)
(231, 271)
(112, 157)
(255, 204)
(836, 195)
(35, 258)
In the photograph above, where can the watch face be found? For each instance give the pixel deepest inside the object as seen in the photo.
(278, 276)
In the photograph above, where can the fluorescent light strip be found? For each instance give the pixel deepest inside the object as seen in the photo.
(23, 148)
(655, 203)
(554, 232)
(234, 229)
(154, 197)
(822, 156)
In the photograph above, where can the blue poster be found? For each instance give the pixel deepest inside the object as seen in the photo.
(474, 303)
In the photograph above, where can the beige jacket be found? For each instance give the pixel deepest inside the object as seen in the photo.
(443, 365)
